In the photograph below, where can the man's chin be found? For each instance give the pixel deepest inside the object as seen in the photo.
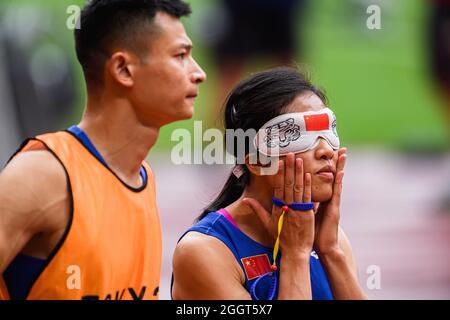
(187, 113)
(183, 114)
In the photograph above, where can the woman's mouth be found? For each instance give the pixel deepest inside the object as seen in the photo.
(328, 176)
(326, 173)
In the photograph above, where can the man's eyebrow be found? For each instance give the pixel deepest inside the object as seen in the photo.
(187, 46)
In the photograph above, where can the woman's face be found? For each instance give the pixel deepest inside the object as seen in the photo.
(321, 158)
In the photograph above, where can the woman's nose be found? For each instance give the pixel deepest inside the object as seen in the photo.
(324, 150)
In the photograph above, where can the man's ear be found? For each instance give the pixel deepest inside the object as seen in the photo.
(120, 68)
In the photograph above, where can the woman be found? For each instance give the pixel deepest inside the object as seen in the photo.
(274, 236)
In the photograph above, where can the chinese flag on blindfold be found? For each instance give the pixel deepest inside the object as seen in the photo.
(256, 266)
(317, 122)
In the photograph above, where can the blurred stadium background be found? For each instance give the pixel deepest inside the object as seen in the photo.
(390, 114)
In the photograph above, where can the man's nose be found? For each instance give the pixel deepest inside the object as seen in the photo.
(198, 75)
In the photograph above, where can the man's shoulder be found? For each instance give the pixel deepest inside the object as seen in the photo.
(39, 163)
(33, 191)
(36, 172)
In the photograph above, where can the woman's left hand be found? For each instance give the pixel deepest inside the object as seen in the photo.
(328, 214)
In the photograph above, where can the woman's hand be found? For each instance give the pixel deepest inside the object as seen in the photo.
(328, 214)
(291, 185)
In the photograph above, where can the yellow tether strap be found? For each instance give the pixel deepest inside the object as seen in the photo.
(277, 243)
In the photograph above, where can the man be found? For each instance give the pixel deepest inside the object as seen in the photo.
(78, 214)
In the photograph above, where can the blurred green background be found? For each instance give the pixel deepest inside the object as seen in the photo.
(377, 81)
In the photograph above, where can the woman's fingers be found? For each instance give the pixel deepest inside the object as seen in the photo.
(341, 162)
(337, 189)
(307, 188)
(278, 191)
(289, 178)
(342, 151)
(298, 185)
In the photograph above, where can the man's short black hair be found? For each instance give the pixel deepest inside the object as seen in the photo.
(108, 23)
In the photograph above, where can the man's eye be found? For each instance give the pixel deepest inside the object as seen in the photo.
(181, 56)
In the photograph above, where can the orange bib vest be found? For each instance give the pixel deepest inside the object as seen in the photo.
(112, 246)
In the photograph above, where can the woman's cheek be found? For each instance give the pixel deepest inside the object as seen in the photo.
(321, 192)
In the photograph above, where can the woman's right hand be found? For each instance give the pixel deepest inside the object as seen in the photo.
(291, 185)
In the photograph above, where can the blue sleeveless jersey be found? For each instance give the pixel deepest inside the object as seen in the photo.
(255, 259)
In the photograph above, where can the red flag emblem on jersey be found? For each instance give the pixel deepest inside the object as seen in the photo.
(317, 122)
(256, 266)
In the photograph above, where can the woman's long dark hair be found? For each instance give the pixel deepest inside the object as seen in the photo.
(250, 105)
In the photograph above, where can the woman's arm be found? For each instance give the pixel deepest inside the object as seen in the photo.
(295, 279)
(297, 234)
(344, 244)
(333, 246)
(342, 271)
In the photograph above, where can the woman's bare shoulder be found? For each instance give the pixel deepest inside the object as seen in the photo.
(198, 245)
(204, 268)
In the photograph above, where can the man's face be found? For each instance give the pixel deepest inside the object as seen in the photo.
(166, 82)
